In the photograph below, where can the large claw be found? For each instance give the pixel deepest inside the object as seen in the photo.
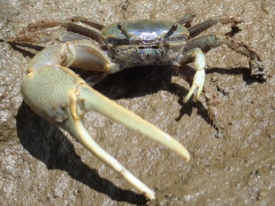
(59, 95)
(88, 99)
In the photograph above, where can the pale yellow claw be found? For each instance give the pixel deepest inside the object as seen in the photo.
(89, 99)
(73, 102)
(58, 94)
(97, 102)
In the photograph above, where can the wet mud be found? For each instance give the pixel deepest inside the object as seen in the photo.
(234, 165)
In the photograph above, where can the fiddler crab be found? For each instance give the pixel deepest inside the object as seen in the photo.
(56, 93)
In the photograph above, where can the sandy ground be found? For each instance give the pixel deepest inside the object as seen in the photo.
(43, 165)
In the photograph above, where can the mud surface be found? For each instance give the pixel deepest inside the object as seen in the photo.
(42, 165)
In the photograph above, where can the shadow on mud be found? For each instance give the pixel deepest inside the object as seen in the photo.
(47, 143)
(141, 81)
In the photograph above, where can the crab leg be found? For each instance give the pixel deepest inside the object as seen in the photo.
(199, 28)
(87, 22)
(186, 20)
(59, 95)
(211, 41)
(78, 28)
(194, 49)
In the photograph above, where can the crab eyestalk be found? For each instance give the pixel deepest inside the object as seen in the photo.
(171, 31)
(124, 32)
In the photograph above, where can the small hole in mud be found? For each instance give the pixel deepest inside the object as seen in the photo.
(261, 69)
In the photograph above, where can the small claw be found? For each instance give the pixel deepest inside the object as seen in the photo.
(198, 82)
